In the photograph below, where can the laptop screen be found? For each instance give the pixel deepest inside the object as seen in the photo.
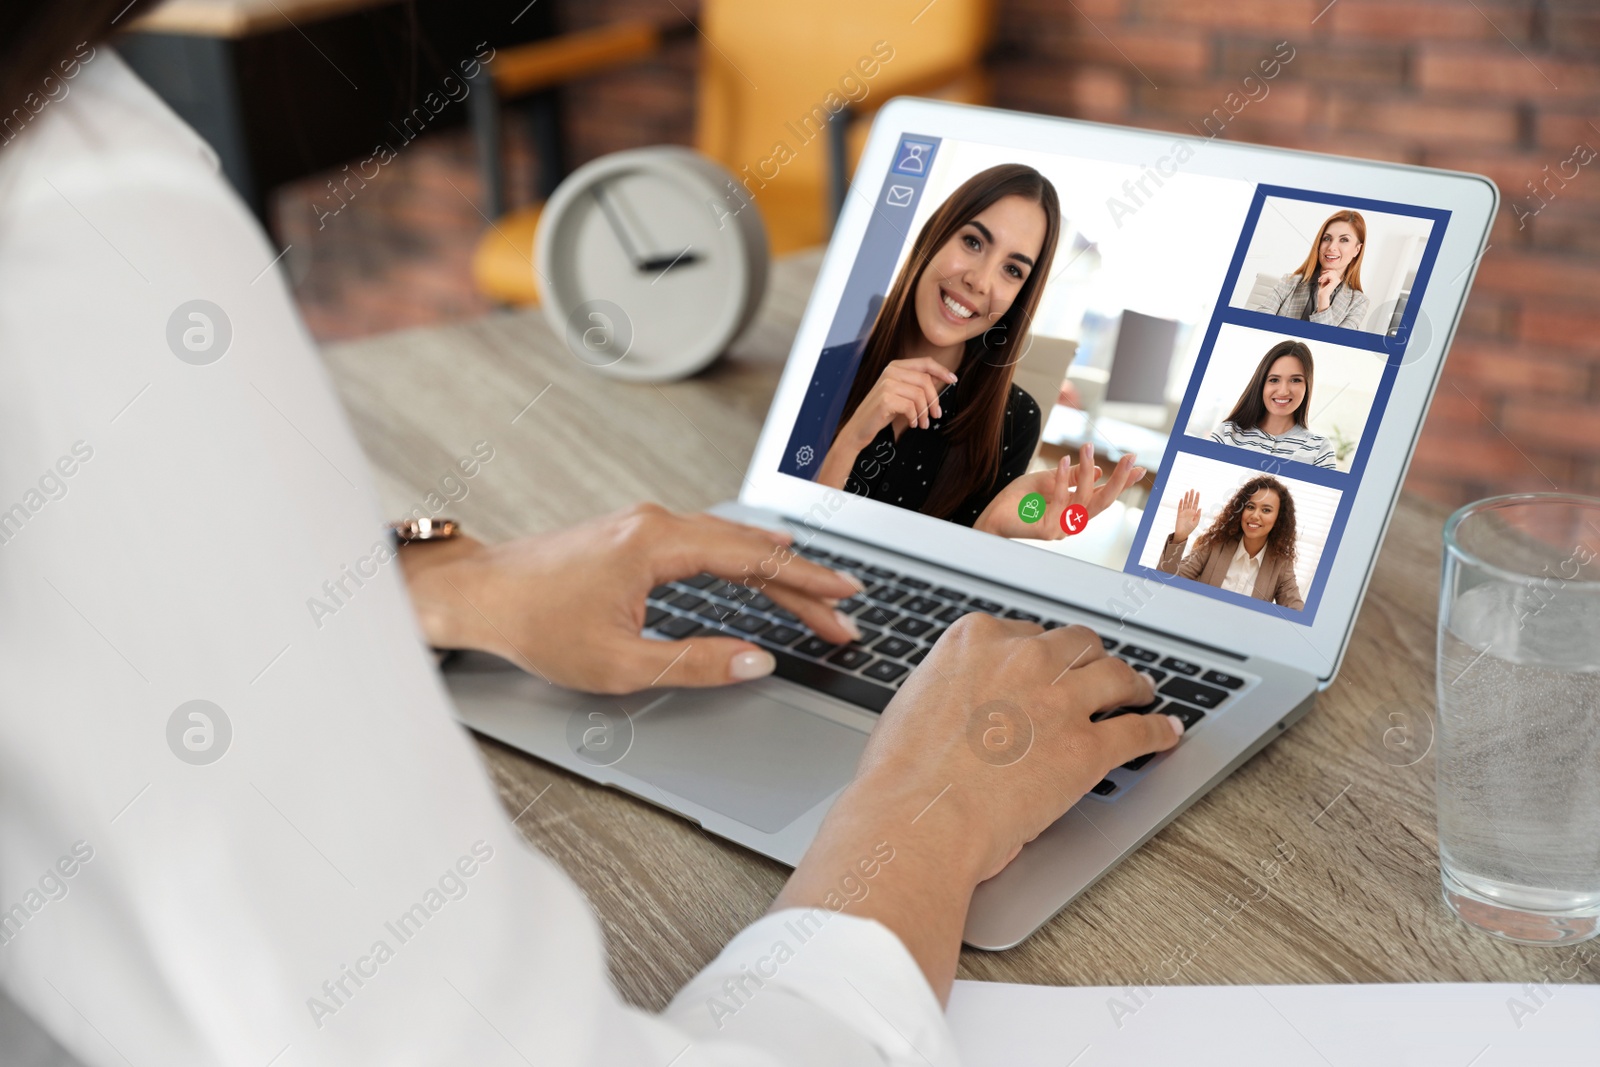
(1221, 349)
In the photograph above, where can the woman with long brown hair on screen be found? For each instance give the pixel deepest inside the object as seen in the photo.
(1271, 414)
(933, 421)
(1326, 287)
(1248, 549)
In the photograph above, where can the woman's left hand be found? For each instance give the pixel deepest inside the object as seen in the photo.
(568, 606)
(1069, 483)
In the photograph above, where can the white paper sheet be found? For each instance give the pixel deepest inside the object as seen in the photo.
(1479, 1025)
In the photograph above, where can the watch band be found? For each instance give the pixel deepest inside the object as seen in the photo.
(425, 529)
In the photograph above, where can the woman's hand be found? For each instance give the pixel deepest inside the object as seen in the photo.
(907, 389)
(1327, 281)
(1070, 483)
(988, 742)
(1188, 515)
(568, 606)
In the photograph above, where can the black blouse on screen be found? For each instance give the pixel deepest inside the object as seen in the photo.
(902, 472)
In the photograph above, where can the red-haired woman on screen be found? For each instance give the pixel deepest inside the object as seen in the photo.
(1326, 288)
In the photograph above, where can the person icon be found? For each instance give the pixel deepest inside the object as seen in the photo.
(912, 159)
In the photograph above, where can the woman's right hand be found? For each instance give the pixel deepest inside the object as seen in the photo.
(1326, 282)
(1188, 515)
(908, 389)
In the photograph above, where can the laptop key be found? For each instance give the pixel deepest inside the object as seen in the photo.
(868, 635)
(688, 602)
(850, 658)
(1103, 788)
(784, 614)
(662, 592)
(1025, 616)
(922, 605)
(882, 572)
(1189, 716)
(1107, 642)
(1227, 681)
(748, 624)
(988, 607)
(876, 616)
(851, 605)
(1181, 666)
(944, 592)
(1051, 624)
(677, 627)
(915, 583)
(913, 627)
(846, 563)
(1145, 668)
(653, 615)
(815, 647)
(916, 658)
(884, 671)
(885, 593)
(781, 636)
(1137, 763)
(933, 638)
(894, 646)
(700, 581)
(951, 614)
(1142, 654)
(1192, 692)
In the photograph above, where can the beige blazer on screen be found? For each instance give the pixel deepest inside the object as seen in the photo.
(1275, 581)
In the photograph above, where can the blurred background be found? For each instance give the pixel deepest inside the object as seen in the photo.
(298, 95)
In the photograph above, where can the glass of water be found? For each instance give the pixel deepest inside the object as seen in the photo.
(1519, 717)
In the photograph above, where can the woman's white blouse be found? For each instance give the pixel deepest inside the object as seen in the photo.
(342, 885)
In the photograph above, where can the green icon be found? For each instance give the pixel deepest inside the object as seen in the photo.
(1032, 508)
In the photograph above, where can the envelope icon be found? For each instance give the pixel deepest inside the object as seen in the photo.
(899, 196)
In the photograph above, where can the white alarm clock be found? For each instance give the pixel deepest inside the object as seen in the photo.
(651, 262)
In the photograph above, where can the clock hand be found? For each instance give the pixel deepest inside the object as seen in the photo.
(661, 264)
(616, 227)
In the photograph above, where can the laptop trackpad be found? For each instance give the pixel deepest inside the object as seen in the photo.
(742, 754)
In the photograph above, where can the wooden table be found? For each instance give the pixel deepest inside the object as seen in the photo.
(1355, 897)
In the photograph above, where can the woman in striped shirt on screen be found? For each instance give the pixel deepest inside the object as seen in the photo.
(1271, 413)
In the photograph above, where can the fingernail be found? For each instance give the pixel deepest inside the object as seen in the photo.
(748, 665)
(1177, 723)
(853, 580)
(849, 624)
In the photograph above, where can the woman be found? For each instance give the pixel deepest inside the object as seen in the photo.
(1326, 288)
(932, 420)
(1270, 415)
(228, 912)
(1248, 549)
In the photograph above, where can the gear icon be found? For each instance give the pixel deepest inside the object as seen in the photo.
(804, 455)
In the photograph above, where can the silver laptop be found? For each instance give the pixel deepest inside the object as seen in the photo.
(1232, 243)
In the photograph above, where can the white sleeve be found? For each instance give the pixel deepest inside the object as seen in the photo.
(315, 869)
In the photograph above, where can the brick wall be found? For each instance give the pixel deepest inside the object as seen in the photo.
(1507, 88)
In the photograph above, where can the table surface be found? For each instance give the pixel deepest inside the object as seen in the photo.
(1354, 895)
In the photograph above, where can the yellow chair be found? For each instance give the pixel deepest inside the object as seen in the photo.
(781, 87)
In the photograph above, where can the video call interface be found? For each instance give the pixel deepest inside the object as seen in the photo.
(1223, 349)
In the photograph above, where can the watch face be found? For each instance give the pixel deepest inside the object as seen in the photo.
(648, 273)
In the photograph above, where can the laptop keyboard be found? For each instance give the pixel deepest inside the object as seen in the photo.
(900, 617)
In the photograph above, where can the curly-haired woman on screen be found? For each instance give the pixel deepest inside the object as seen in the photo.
(1248, 549)
(932, 420)
(1326, 288)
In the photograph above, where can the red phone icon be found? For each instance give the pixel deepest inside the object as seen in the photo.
(1074, 517)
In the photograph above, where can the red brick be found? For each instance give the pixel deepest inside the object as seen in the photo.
(1287, 16)
(1330, 64)
(1468, 452)
(1566, 226)
(1564, 427)
(1575, 327)
(1389, 20)
(1461, 405)
(1538, 274)
(1508, 369)
(1038, 12)
(1421, 120)
(1504, 71)
(1489, 316)
(1562, 131)
(1284, 102)
(1573, 24)
(1143, 48)
(1335, 143)
(1088, 92)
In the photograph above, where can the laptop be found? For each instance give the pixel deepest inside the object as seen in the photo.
(1154, 226)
